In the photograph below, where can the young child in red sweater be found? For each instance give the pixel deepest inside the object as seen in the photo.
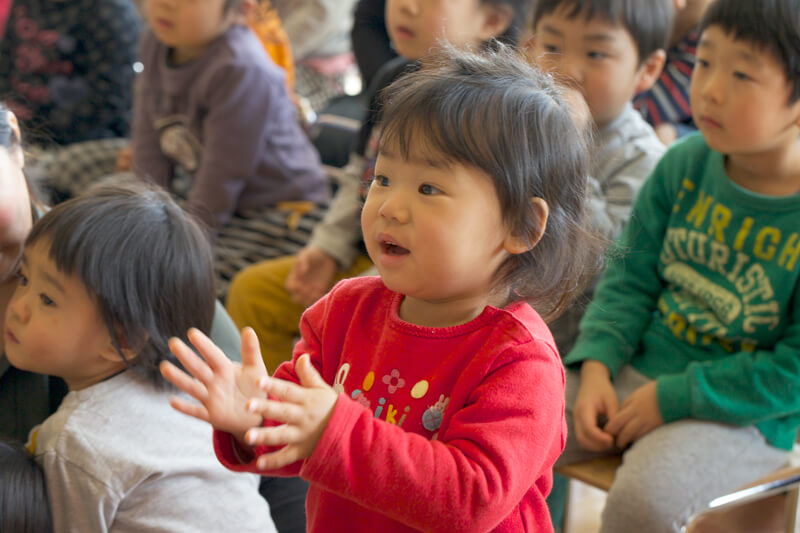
(431, 397)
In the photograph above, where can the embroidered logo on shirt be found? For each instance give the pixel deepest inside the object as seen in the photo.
(390, 390)
(178, 142)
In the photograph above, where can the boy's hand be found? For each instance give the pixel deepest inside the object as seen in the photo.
(222, 387)
(124, 159)
(596, 399)
(302, 410)
(311, 276)
(638, 415)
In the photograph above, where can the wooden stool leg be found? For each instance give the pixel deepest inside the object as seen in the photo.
(791, 511)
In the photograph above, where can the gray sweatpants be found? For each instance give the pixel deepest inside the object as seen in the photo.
(674, 470)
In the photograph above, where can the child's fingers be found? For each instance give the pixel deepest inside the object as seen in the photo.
(628, 433)
(251, 350)
(273, 435)
(214, 357)
(593, 439)
(183, 381)
(284, 412)
(283, 390)
(191, 409)
(619, 420)
(190, 361)
(309, 377)
(611, 405)
(285, 456)
(589, 435)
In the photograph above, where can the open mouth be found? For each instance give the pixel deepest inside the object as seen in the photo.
(391, 248)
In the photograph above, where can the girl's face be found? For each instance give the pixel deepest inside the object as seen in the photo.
(16, 219)
(416, 26)
(435, 231)
(53, 326)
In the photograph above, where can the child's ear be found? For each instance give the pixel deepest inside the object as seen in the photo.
(110, 353)
(650, 70)
(497, 19)
(519, 244)
(126, 351)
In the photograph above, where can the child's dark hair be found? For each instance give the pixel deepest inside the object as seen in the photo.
(496, 113)
(24, 505)
(146, 262)
(771, 25)
(649, 22)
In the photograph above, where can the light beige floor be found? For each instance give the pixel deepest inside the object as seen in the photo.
(585, 505)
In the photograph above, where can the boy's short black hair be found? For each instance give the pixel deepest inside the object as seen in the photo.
(649, 22)
(146, 262)
(494, 112)
(771, 25)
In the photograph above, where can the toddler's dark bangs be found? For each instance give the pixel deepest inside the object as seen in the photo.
(432, 134)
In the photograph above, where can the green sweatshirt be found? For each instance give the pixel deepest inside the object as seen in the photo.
(701, 294)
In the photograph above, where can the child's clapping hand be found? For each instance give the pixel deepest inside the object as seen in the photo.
(233, 397)
(302, 412)
(222, 387)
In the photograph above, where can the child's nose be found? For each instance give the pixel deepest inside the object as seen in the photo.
(18, 307)
(394, 208)
(713, 88)
(571, 69)
(163, 4)
(409, 6)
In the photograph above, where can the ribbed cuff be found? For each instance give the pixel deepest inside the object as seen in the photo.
(674, 397)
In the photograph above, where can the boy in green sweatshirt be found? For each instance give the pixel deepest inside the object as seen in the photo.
(689, 354)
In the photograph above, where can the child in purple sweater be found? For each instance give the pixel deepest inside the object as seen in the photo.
(210, 105)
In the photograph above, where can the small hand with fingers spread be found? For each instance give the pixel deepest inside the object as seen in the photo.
(301, 410)
(638, 415)
(221, 386)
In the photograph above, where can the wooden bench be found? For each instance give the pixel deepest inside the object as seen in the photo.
(765, 498)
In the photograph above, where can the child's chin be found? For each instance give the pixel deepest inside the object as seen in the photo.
(15, 358)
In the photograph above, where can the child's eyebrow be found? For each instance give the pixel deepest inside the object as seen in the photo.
(552, 29)
(53, 281)
(602, 37)
(434, 162)
(750, 57)
(47, 276)
(705, 42)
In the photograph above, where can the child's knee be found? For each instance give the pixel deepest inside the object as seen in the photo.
(643, 499)
(638, 505)
(258, 284)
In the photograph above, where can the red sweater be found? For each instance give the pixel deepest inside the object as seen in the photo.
(435, 429)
